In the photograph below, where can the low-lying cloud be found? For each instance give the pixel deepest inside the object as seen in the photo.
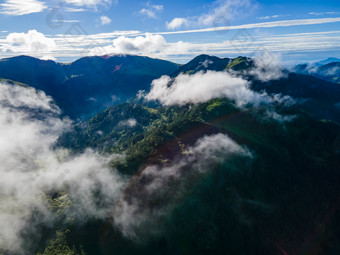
(267, 67)
(153, 193)
(33, 172)
(201, 87)
(31, 169)
(127, 123)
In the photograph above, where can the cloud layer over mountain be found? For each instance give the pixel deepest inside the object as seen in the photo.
(33, 172)
(152, 194)
(31, 169)
(201, 87)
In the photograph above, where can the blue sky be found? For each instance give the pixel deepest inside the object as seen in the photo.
(64, 30)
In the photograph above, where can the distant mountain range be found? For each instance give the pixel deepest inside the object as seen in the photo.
(89, 84)
(328, 70)
(327, 61)
(322, 97)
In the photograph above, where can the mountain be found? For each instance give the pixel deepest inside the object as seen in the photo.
(328, 71)
(89, 84)
(275, 200)
(111, 130)
(200, 178)
(316, 95)
(327, 61)
(205, 62)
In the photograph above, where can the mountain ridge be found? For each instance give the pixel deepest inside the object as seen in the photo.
(89, 84)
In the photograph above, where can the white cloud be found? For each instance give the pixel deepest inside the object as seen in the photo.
(152, 11)
(20, 7)
(177, 23)
(143, 45)
(222, 11)
(323, 13)
(267, 66)
(201, 87)
(149, 43)
(127, 123)
(48, 58)
(105, 20)
(30, 42)
(270, 17)
(280, 23)
(89, 3)
(333, 70)
(225, 11)
(139, 216)
(68, 21)
(313, 69)
(70, 9)
(31, 169)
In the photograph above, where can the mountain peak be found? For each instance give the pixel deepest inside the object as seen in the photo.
(328, 60)
(203, 63)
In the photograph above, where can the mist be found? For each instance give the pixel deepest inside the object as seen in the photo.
(154, 192)
(201, 87)
(267, 67)
(34, 172)
(204, 86)
(31, 169)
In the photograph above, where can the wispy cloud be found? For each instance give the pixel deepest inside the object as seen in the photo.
(151, 11)
(221, 11)
(323, 13)
(270, 17)
(19, 7)
(177, 23)
(139, 215)
(68, 20)
(70, 9)
(89, 3)
(105, 20)
(281, 23)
